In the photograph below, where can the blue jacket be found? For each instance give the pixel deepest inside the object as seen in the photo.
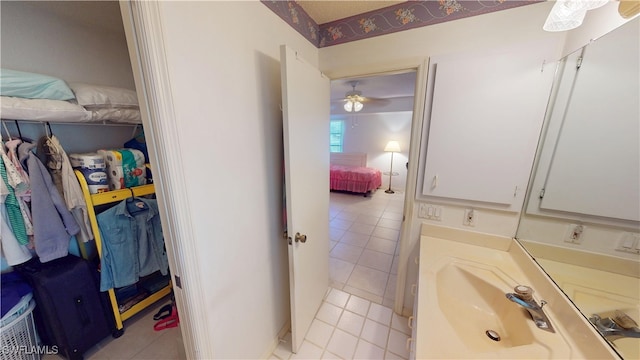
(132, 243)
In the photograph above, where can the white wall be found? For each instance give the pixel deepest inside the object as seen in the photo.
(37, 41)
(225, 82)
(370, 133)
(408, 49)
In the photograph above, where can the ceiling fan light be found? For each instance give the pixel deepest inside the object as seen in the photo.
(357, 106)
(348, 106)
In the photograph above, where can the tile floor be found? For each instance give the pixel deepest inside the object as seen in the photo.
(363, 258)
(355, 320)
(350, 327)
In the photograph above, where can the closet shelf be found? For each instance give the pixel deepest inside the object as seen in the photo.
(110, 197)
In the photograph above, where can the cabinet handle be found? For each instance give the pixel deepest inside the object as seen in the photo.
(414, 287)
(408, 344)
(416, 260)
(410, 322)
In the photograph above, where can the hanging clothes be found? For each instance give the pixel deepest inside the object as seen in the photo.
(14, 214)
(71, 191)
(10, 249)
(132, 243)
(23, 192)
(53, 223)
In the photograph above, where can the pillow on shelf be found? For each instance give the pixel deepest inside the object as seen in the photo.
(98, 96)
(15, 108)
(33, 86)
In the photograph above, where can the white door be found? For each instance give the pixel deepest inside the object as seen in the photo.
(305, 97)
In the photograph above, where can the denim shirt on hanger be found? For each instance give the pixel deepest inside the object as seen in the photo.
(132, 243)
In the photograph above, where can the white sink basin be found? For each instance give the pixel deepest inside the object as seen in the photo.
(471, 299)
(477, 304)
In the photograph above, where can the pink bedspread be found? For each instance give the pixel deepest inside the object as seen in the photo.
(354, 179)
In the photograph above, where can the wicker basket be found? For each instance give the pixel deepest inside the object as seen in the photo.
(18, 339)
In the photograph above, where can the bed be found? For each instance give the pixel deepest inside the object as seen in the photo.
(349, 172)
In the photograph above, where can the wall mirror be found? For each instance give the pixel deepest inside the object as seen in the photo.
(581, 219)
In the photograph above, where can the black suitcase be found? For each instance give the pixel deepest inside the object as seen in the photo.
(70, 310)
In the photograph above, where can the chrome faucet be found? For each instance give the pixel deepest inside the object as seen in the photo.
(523, 296)
(620, 326)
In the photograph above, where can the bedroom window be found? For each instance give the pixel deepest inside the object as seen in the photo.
(336, 133)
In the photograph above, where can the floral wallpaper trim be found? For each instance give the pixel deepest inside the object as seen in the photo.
(400, 17)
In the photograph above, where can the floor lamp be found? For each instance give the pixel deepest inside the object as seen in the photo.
(391, 147)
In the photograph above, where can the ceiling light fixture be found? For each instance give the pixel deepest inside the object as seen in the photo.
(353, 99)
(569, 14)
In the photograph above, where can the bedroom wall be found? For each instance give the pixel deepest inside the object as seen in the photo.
(39, 41)
(370, 133)
(226, 99)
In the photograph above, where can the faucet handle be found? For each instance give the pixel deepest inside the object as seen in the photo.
(524, 292)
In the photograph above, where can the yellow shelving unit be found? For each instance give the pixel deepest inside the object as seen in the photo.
(109, 197)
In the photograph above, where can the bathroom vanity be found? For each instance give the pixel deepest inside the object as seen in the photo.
(463, 311)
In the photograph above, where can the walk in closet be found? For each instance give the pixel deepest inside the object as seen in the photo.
(80, 43)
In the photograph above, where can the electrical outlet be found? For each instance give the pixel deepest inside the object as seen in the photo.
(574, 234)
(629, 243)
(469, 217)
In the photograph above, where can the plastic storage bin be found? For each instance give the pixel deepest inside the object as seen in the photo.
(19, 339)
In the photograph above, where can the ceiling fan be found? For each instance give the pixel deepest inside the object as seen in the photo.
(353, 99)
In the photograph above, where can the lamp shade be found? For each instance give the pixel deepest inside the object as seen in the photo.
(392, 146)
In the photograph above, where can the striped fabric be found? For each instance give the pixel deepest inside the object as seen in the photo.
(13, 210)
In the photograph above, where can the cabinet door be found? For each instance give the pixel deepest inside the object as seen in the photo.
(485, 119)
(596, 166)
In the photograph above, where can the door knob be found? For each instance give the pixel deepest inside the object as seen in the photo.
(301, 238)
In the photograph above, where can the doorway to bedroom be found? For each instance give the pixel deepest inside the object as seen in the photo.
(365, 229)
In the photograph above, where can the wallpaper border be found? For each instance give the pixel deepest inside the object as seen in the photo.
(404, 16)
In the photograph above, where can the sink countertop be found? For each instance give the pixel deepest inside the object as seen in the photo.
(504, 263)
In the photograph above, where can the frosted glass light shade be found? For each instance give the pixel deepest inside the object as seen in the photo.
(565, 15)
(392, 146)
(353, 105)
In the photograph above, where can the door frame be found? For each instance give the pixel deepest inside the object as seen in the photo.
(417, 117)
(145, 42)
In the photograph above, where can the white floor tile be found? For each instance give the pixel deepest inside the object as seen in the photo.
(391, 224)
(358, 305)
(390, 291)
(346, 252)
(336, 234)
(398, 343)
(351, 323)
(386, 233)
(367, 279)
(319, 333)
(340, 224)
(376, 260)
(368, 351)
(375, 333)
(340, 270)
(382, 245)
(400, 323)
(380, 314)
(329, 313)
(337, 297)
(368, 219)
(355, 239)
(342, 344)
(347, 215)
(362, 228)
(329, 356)
(363, 294)
(308, 351)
